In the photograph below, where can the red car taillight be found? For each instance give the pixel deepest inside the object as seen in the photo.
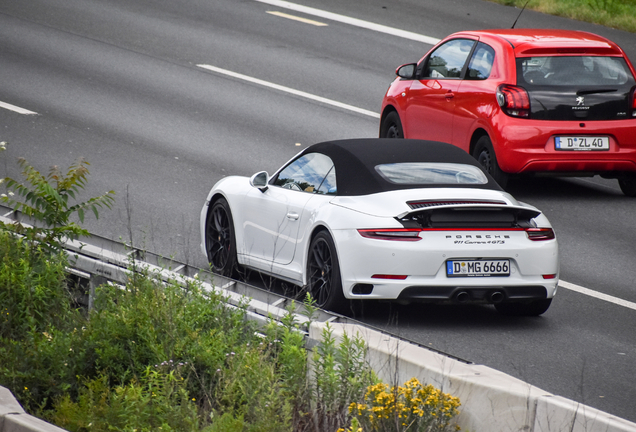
(399, 234)
(513, 100)
(634, 102)
(540, 234)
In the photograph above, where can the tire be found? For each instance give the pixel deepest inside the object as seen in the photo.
(628, 184)
(485, 155)
(324, 282)
(220, 239)
(533, 308)
(392, 126)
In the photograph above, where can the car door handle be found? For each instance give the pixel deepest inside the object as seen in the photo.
(292, 216)
(449, 95)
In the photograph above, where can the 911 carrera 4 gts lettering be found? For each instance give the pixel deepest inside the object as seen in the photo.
(478, 236)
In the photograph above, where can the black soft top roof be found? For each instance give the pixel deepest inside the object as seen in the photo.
(355, 161)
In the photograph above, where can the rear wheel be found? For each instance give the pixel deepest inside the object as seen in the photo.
(392, 126)
(485, 155)
(628, 184)
(324, 283)
(532, 308)
(220, 240)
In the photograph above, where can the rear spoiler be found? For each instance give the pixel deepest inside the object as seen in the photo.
(519, 212)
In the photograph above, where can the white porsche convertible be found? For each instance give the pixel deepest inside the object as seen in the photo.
(404, 220)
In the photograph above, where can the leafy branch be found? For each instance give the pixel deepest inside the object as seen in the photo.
(45, 199)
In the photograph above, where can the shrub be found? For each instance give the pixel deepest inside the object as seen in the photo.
(38, 326)
(33, 290)
(410, 408)
(341, 375)
(159, 401)
(45, 199)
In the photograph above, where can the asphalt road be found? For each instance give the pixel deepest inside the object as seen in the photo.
(118, 83)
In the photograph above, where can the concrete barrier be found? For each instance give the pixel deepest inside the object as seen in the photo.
(13, 418)
(491, 400)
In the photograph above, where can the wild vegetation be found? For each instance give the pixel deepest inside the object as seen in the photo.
(618, 14)
(171, 356)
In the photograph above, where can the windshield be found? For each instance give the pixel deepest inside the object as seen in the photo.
(426, 173)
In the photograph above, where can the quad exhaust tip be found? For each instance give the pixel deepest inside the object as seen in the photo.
(462, 297)
(497, 297)
(494, 297)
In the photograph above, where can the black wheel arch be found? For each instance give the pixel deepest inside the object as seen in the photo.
(314, 232)
(217, 196)
(477, 135)
(387, 110)
(214, 199)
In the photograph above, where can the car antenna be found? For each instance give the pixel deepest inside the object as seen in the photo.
(522, 9)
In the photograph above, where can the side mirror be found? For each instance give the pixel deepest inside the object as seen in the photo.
(406, 71)
(260, 180)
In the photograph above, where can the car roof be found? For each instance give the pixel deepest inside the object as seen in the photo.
(533, 41)
(355, 161)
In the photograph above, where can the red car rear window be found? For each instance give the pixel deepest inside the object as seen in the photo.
(573, 71)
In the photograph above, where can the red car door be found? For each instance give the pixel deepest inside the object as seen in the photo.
(431, 98)
(475, 98)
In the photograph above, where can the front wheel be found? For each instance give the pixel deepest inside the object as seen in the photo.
(220, 240)
(628, 184)
(532, 308)
(485, 155)
(392, 126)
(324, 282)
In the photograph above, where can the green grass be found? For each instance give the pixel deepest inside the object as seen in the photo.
(618, 14)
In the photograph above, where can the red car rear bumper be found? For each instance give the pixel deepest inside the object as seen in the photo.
(524, 146)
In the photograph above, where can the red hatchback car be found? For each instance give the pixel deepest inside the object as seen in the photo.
(523, 102)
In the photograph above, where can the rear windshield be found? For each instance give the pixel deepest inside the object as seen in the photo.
(573, 71)
(426, 173)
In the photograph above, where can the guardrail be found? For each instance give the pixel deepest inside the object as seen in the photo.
(491, 400)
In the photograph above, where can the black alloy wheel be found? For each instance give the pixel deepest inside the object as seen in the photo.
(392, 126)
(324, 283)
(220, 242)
(485, 155)
(531, 308)
(627, 184)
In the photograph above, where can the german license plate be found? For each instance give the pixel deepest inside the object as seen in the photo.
(477, 268)
(581, 143)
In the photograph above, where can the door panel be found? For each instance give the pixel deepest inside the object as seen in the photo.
(271, 223)
(274, 218)
(431, 98)
(429, 113)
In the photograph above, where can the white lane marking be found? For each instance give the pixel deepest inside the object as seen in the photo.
(16, 109)
(290, 90)
(352, 21)
(598, 295)
(295, 18)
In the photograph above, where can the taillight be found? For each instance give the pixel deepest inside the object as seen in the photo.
(634, 102)
(399, 234)
(540, 234)
(513, 100)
